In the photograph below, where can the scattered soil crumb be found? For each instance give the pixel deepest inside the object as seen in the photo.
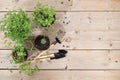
(116, 61)
(111, 45)
(109, 58)
(61, 2)
(68, 39)
(99, 38)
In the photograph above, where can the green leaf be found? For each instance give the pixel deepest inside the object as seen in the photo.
(16, 25)
(27, 69)
(43, 15)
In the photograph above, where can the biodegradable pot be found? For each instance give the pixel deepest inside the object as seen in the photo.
(39, 45)
(15, 56)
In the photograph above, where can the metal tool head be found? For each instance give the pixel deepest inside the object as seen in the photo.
(57, 40)
(60, 54)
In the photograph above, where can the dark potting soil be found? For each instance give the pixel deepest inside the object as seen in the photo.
(41, 46)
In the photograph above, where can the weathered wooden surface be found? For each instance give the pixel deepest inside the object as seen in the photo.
(75, 59)
(64, 5)
(90, 30)
(62, 75)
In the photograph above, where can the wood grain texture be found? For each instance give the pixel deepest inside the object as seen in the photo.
(62, 75)
(94, 60)
(63, 5)
(91, 33)
(95, 21)
(91, 59)
(5, 5)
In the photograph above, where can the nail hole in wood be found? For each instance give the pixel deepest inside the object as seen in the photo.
(99, 38)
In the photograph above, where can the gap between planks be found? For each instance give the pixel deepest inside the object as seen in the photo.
(62, 75)
(81, 11)
(77, 49)
(1, 69)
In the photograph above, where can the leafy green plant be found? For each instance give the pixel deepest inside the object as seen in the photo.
(16, 25)
(27, 69)
(19, 53)
(43, 41)
(44, 15)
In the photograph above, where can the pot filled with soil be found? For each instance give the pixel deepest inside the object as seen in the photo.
(42, 42)
(44, 16)
(19, 54)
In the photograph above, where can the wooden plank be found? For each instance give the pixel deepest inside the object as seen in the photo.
(64, 5)
(92, 41)
(85, 20)
(91, 59)
(94, 60)
(62, 75)
(87, 40)
(97, 21)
